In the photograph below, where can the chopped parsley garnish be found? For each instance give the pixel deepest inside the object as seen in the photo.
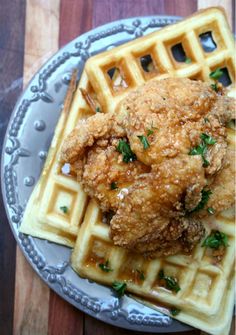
(208, 139)
(215, 240)
(214, 87)
(141, 274)
(98, 110)
(205, 197)
(216, 74)
(206, 119)
(175, 311)
(201, 149)
(105, 266)
(188, 60)
(171, 283)
(144, 141)
(114, 185)
(149, 132)
(211, 210)
(64, 209)
(124, 148)
(119, 287)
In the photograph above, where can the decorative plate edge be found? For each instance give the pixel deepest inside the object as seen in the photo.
(51, 274)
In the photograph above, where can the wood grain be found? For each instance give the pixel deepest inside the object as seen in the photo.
(41, 35)
(226, 4)
(31, 294)
(75, 19)
(31, 300)
(12, 26)
(110, 10)
(50, 23)
(64, 319)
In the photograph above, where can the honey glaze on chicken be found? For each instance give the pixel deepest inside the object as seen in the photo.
(161, 162)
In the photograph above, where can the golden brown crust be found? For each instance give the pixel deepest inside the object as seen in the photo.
(106, 176)
(156, 192)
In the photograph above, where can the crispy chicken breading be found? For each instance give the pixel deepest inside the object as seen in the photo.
(104, 174)
(222, 187)
(151, 161)
(155, 202)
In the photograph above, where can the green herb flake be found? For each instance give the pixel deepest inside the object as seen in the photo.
(171, 283)
(144, 141)
(216, 74)
(214, 87)
(64, 209)
(205, 197)
(211, 210)
(205, 162)
(98, 110)
(215, 240)
(206, 120)
(188, 60)
(114, 185)
(149, 132)
(124, 148)
(175, 311)
(119, 287)
(141, 274)
(207, 139)
(201, 149)
(105, 266)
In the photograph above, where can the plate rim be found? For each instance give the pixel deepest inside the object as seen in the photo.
(147, 326)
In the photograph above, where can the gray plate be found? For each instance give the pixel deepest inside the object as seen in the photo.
(27, 140)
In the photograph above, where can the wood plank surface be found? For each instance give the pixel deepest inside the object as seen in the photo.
(111, 10)
(75, 19)
(31, 293)
(64, 317)
(32, 31)
(226, 4)
(12, 27)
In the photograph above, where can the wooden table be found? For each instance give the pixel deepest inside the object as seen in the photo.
(31, 31)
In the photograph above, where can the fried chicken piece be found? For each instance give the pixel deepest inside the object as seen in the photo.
(222, 187)
(106, 177)
(176, 129)
(153, 201)
(224, 109)
(85, 134)
(192, 235)
(171, 114)
(181, 235)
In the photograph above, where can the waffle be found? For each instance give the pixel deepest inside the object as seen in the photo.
(205, 298)
(184, 40)
(58, 201)
(56, 189)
